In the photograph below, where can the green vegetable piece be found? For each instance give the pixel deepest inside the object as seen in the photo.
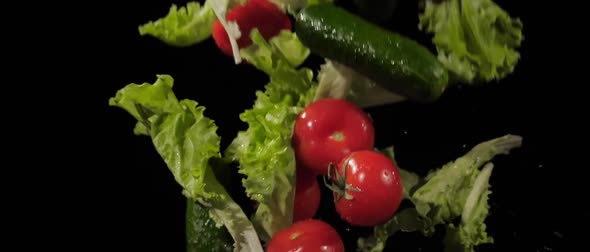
(182, 135)
(202, 234)
(443, 196)
(458, 189)
(264, 150)
(476, 39)
(184, 26)
(283, 52)
(187, 140)
(472, 229)
(396, 63)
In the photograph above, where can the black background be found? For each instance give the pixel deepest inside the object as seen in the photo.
(117, 194)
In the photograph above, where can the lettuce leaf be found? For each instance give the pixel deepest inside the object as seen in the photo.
(458, 189)
(187, 140)
(184, 26)
(472, 229)
(288, 44)
(445, 192)
(264, 150)
(476, 39)
(283, 52)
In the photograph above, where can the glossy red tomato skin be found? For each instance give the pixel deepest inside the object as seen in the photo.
(380, 185)
(307, 195)
(329, 129)
(267, 17)
(307, 236)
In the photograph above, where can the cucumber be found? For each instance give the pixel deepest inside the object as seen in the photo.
(201, 232)
(397, 63)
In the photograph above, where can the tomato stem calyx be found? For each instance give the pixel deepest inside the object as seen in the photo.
(337, 136)
(338, 184)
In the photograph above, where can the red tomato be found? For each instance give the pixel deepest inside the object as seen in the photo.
(261, 14)
(373, 188)
(329, 129)
(307, 196)
(307, 236)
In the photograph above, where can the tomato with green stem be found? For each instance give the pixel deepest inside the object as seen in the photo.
(308, 235)
(367, 188)
(329, 129)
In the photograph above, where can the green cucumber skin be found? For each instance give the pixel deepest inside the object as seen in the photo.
(201, 232)
(395, 62)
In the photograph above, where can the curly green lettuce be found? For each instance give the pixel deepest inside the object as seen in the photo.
(264, 151)
(476, 40)
(184, 26)
(442, 198)
(187, 141)
(459, 189)
(472, 229)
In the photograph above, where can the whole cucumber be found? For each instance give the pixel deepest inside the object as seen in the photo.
(395, 62)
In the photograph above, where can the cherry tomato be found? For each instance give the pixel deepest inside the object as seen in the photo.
(307, 196)
(307, 236)
(329, 129)
(261, 14)
(370, 191)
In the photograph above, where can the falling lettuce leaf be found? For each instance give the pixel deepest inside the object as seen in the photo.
(289, 46)
(472, 229)
(476, 39)
(445, 192)
(184, 26)
(283, 52)
(264, 150)
(187, 140)
(457, 190)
